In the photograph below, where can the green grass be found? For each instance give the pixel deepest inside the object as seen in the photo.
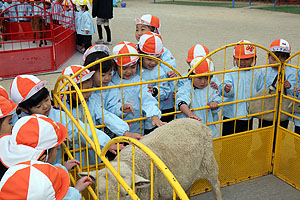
(289, 9)
(197, 3)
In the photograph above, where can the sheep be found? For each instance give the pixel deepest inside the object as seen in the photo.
(186, 148)
(38, 24)
(269, 104)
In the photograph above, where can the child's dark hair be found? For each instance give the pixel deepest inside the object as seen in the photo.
(86, 8)
(106, 65)
(1, 120)
(35, 99)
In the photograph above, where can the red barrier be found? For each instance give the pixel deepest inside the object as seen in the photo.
(21, 53)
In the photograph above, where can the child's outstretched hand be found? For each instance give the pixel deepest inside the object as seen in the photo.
(171, 74)
(214, 85)
(157, 122)
(227, 87)
(287, 84)
(193, 116)
(150, 89)
(71, 163)
(83, 183)
(298, 89)
(113, 148)
(213, 105)
(127, 108)
(136, 136)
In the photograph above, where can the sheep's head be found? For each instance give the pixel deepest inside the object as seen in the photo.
(112, 183)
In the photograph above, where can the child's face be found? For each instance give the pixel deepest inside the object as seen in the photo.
(6, 126)
(201, 82)
(282, 57)
(243, 63)
(127, 71)
(86, 85)
(106, 78)
(82, 7)
(42, 108)
(52, 155)
(47, 5)
(149, 63)
(140, 30)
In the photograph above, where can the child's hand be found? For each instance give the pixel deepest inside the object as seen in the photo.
(287, 84)
(150, 89)
(157, 122)
(83, 183)
(213, 105)
(213, 85)
(71, 163)
(67, 139)
(136, 136)
(127, 108)
(193, 116)
(171, 74)
(298, 89)
(113, 148)
(174, 94)
(86, 31)
(227, 87)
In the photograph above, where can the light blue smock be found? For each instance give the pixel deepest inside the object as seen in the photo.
(164, 87)
(86, 23)
(112, 122)
(242, 85)
(297, 121)
(169, 58)
(290, 75)
(132, 96)
(24, 9)
(57, 10)
(38, 9)
(200, 99)
(111, 99)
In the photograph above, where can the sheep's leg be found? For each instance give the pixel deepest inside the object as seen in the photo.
(213, 173)
(34, 37)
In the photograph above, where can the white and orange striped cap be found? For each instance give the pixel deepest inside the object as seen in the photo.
(96, 48)
(31, 136)
(205, 67)
(34, 180)
(149, 20)
(244, 51)
(25, 86)
(195, 51)
(280, 45)
(151, 43)
(83, 76)
(7, 107)
(125, 48)
(3, 92)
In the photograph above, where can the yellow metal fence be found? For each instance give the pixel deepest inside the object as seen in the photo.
(240, 156)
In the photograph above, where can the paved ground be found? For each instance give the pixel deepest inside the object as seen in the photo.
(184, 26)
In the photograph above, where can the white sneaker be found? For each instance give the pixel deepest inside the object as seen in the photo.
(106, 42)
(99, 41)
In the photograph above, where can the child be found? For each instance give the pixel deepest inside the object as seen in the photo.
(99, 116)
(33, 98)
(7, 108)
(126, 73)
(242, 82)
(193, 94)
(57, 10)
(103, 10)
(39, 180)
(194, 52)
(86, 27)
(151, 44)
(37, 137)
(151, 23)
(282, 49)
(109, 99)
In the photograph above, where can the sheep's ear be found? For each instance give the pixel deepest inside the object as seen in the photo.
(92, 175)
(141, 182)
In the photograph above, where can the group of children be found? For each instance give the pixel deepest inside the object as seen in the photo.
(33, 143)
